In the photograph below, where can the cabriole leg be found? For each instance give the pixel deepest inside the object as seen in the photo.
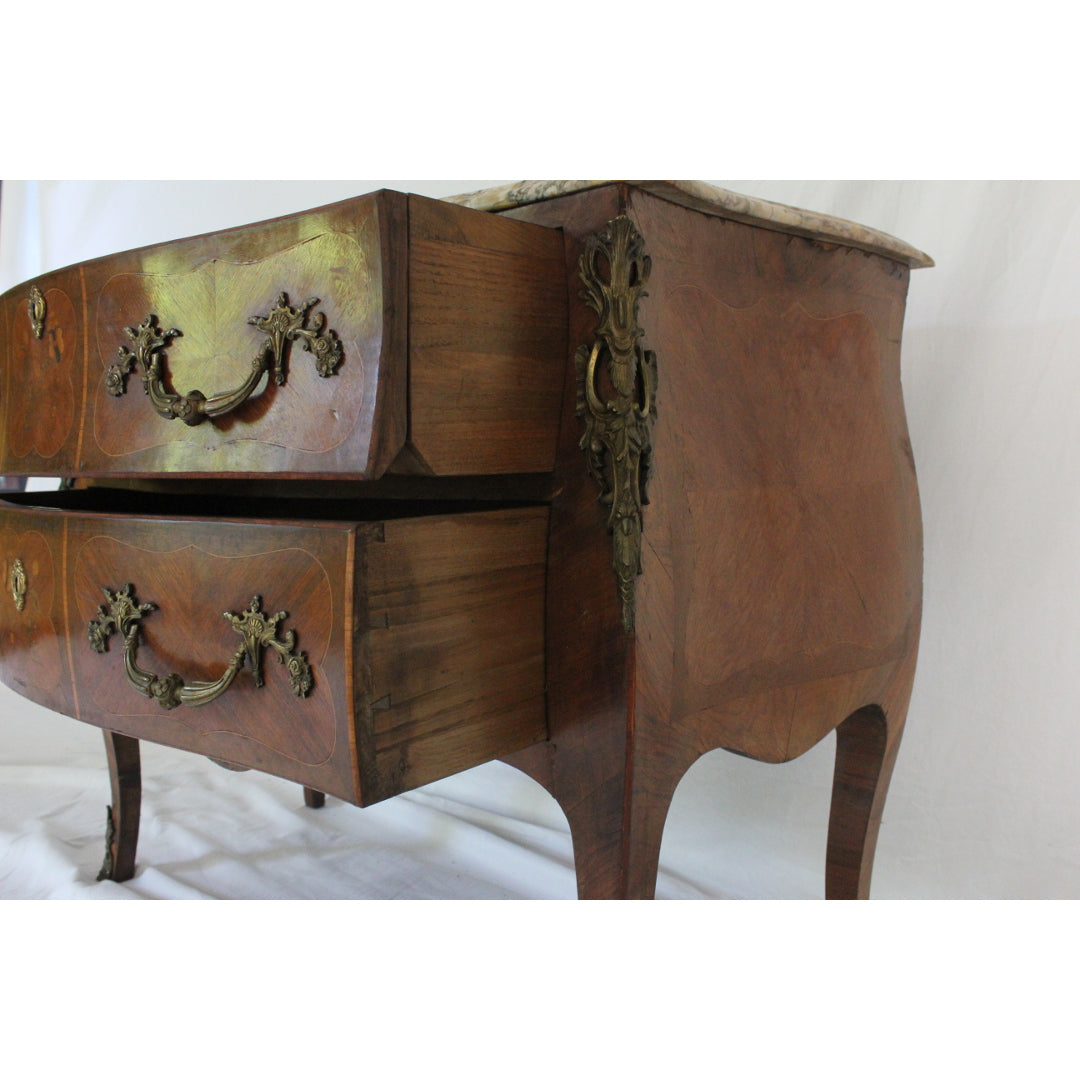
(122, 820)
(617, 854)
(866, 747)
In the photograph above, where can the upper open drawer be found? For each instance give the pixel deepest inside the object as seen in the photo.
(387, 332)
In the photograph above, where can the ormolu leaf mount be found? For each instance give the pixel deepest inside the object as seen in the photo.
(617, 393)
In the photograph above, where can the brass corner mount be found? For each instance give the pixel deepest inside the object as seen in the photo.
(618, 418)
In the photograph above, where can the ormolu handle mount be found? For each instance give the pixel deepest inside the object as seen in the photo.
(123, 614)
(283, 325)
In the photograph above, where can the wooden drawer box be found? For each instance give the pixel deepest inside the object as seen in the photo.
(428, 323)
(418, 648)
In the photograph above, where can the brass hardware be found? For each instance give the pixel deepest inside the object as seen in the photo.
(259, 632)
(283, 325)
(36, 304)
(17, 584)
(618, 424)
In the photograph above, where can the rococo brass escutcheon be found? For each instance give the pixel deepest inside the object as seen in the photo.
(617, 393)
(17, 584)
(123, 613)
(282, 325)
(36, 306)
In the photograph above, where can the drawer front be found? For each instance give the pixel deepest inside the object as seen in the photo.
(332, 399)
(358, 658)
(388, 332)
(33, 660)
(200, 597)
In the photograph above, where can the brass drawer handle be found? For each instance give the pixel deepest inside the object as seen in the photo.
(283, 324)
(259, 631)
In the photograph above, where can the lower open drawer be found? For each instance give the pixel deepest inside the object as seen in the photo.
(361, 652)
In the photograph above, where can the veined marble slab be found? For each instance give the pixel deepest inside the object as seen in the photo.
(712, 200)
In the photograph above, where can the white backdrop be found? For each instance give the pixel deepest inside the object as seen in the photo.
(982, 804)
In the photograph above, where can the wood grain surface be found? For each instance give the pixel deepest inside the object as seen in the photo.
(782, 561)
(33, 661)
(351, 256)
(424, 635)
(487, 341)
(455, 646)
(452, 325)
(590, 658)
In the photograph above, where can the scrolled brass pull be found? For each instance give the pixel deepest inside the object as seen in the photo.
(123, 614)
(282, 325)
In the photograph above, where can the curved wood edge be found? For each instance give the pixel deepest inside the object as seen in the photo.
(866, 747)
(122, 822)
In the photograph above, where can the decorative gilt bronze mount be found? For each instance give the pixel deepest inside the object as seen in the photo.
(17, 584)
(283, 325)
(258, 630)
(36, 305)
(617, 393)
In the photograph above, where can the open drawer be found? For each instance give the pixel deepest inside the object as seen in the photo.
(386, 332)
(361, 653)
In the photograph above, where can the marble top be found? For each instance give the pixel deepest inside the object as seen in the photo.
(712, 200)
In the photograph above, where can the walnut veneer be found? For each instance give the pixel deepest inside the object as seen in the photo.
(593, 478)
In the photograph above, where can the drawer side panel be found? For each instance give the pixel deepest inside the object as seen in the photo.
(487, 341)
(455, 652)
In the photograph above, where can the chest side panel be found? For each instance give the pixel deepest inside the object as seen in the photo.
(782, 550)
